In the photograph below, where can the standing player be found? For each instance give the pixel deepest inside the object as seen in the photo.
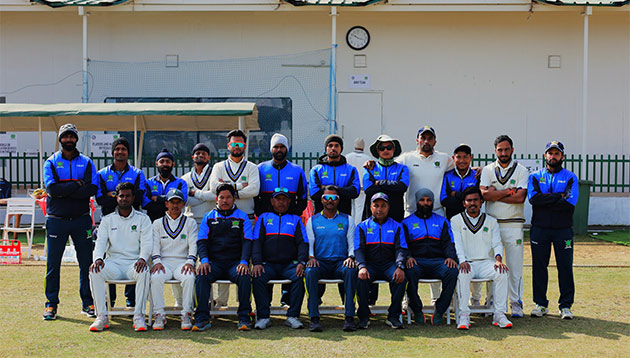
(201, 199)
(504, 187)
(173, 256)
(479, 250)
(357, 158)
(332, 169)
(70, 179)
(553, 193)
(457, 180)
(159, 185)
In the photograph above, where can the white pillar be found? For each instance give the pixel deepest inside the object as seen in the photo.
(588, 11)
(332, 113)
(41, 164)
(84, 15)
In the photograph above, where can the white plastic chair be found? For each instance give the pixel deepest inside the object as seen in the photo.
(20, 206)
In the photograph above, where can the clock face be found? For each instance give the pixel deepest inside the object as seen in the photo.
(358, 37)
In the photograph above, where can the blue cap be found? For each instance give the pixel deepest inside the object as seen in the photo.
(280, 191)
(426, 129)
(555, 144)
(175, 194)
(165, 154)
(378, 196)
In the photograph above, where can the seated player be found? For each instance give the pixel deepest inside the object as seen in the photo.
(380, 253)
(126, 238)
(479, 249)
(174, 256)
(224, 245)
(280, 252)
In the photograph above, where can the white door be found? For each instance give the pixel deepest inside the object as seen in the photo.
(360, 114)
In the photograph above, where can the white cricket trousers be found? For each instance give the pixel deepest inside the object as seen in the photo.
(357, 207)
(119, 270)
(512, 239)
(173, 270)
(483, 270)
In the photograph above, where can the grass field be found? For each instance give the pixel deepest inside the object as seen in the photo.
(621, 237)
(600, 328)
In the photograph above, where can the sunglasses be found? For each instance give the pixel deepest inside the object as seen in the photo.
(332, 197)
(237, 145)
(385, 147)
(277, 190)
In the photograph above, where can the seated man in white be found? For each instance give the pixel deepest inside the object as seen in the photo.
(123, 246)
(174, 255)
(479, 248)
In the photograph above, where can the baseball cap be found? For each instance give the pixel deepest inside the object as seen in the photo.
(555, 144)
(280, 191)
(426, 129)
(463, 148)
(175, 194)
(378, 196)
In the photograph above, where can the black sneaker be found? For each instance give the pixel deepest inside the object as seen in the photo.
(349, 326)
(89, 311)
(394, 323)
(364, 323)
(50, 314)
(315, 326)
(436, 320)
(420, 319)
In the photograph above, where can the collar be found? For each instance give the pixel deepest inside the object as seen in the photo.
(113, 167)
(326, 217)
(229, 158)
(507, 166)
(465, 175)
(131, 214)
(169, 218)
(550, 172)
(471, 218)
(75, 154)
(226, 213)
(159, 178)
(422, 156)
(193, 170)
(279, 166)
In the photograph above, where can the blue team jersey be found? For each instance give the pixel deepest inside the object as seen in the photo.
(453, 182)
(109, 178)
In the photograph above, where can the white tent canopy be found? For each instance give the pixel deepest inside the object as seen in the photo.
(128, 117)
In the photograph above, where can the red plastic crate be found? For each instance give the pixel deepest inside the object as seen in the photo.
(10, 252)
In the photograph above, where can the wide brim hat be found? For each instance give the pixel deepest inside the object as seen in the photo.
(385, 138)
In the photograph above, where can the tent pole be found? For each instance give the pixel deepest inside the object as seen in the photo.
(84, 61)
(41, 165)
(140, 146)
(588, 11)
(135, 141)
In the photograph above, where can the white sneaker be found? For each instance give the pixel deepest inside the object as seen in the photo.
(138, 323)
(540, 311)
(293, 322)
(517, 310)
(464, 322)
(100, 323)
(186, 322)
(160, 322)
(262, 323)
(565, 313)
(501, 321)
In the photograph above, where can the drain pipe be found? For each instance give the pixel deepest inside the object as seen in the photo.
(588, 11)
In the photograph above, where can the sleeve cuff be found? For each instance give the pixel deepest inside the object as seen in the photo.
(156, 259)
(204, 260)
(191, 262)
(244, 262)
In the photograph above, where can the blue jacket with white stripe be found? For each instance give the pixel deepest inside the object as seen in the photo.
(553, 197)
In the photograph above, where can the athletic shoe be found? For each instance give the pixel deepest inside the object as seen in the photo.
(244, 326)
(517, 310)
(566, 313)
(50, 314)
(540, 311)
(139, 325)
(420, 319)
(315, 325)
(464, 322)
(436, 320)
(262, 323)
(293, 322)
(394, 323)
(501, 321)
(186, 322)
(89, 311)
(348, 325)
(364, 323)
(100, 323)
(160, 322)
(201, 326)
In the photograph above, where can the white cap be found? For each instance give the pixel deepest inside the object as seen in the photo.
(279, 139)
(359, 143)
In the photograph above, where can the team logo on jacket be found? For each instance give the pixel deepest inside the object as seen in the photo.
(339, 227)
(377, 173)
(184, 236)
(542, 180)
(415, 226)
(437, 164)
(110, 178)
(324, 175)
(268, 177)
(154, 187)
(235, 224)
(134, 227)
(269, 221)
(567, 244)
(370, 231)
(244, 178)
(485, 229)
(512, 181)
(452, 183)
(59, 164)
(288, 178)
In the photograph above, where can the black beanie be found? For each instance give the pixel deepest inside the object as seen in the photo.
(334, 138)
(200, 146)
(120, 140)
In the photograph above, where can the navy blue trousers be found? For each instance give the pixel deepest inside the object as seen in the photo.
(57, 233)
(330, 270)
(431, 269)
(222, 270)
(384, 271)
(278, 272)
(562, 241)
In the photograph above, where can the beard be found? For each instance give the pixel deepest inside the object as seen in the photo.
(279, 155)
(427, 148)
(200, 162)
(69, 146)
(505, 159)
(555, 163)
(237, 154)
(424, 210)
(165, 171)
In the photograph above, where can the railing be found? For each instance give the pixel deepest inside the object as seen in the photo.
(609, 173)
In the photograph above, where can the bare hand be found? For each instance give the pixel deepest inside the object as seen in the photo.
(349, 263)
(450, 263)
(244, 185)
(464, 267)
(191, 192)
(111, 193)
(369, 165)
(157, 268)
(140, 265)
(221, 180)
(97, 266)
(299, 270)
(477, 172)
(154, 198)
(80, 182)
(188, 269)
(312, 262)
(258, 270)
(204, 269)
(500, 266)
(364, 274)
(399, 275)
(242, 269)
(411, 262)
